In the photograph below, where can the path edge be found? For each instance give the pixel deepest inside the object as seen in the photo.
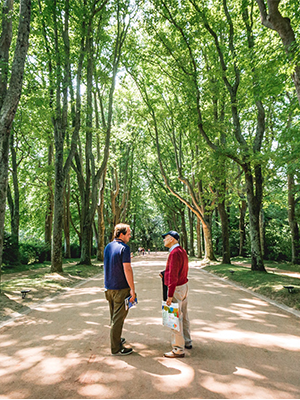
(260, 296)
(46, 300)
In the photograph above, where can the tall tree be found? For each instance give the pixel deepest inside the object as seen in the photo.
(89, 182)
(272, 18)
(231, 76)
(10, 88)
(57, 45)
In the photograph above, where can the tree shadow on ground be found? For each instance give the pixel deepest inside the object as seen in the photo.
(243, 347)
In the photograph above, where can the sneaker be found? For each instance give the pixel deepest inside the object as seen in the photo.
(188, 346)
(171, 354)
(123, 352)
(123, 340)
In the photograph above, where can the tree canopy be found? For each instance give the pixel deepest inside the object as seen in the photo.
(161, 114)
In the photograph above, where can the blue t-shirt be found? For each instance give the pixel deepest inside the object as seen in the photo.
(115, 254)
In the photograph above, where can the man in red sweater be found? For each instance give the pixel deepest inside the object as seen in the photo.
(175, 278)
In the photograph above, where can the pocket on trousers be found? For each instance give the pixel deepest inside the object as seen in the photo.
(121, 295)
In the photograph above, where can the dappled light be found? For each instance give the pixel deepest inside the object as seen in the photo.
(242, 388)
(243, 347)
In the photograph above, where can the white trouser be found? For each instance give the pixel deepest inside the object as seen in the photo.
(181, 338)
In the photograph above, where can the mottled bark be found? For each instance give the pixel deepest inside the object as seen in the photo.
(262, 231)
(93, 176)
(49, 204)
(254, 204)
(183, 236)
(225, 233)
(101, 222)
(274, 20)
(292, 220)
(209, 253)
(60, 117)
(14, 199)
(242, 228)
(191, 236)
(10, 92)
(67, 219)
(199, 239)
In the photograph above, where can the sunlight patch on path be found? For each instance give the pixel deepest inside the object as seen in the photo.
(253, 339)
(240, 387)
(173, 383)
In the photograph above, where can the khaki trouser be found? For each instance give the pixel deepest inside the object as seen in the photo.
(181, 338)
(116, 299)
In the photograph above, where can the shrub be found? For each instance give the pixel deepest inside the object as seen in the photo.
(277, 242)
(42, 251)
(9, 251)
(75, 250)
(34, 251)
(28, 253)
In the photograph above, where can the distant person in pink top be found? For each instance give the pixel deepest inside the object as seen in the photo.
(175, 278)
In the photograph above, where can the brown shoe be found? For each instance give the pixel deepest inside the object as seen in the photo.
(171, 354)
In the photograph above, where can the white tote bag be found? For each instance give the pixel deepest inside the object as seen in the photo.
(170, 315)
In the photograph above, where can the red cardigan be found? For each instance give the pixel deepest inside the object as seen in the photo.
(177, 269)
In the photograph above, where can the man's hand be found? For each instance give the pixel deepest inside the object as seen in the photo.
(169, 301)
(132, 294)
(129, 277)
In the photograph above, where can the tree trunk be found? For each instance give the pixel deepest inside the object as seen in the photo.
(101, 222)
(242, 228)
(56, 253)
(49, 205)
(191, 223)
(225, 232)
(257, 263)
(60, 123)
(215, 228)
(199, 241)
(9, 97)
(93, 177)
(262, 231)
(282, 25)
(292, 220)
(87, 234)
(184, 239)
(67, 218)
(209, 251)
(14, 201)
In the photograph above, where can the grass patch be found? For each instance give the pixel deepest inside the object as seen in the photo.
(269, 284)
(44, 279)
(41, 283)
(23, 268)
(285, 266)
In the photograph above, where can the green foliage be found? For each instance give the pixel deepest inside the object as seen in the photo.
(157, 88)
(33, 251)
(9, 253)
(75, 250)
(277, 235)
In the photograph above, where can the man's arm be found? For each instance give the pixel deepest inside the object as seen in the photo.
(174, 263)
(129, 277)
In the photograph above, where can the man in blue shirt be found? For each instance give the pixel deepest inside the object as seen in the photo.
(119, 284)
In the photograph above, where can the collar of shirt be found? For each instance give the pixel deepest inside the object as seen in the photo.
(173, 247)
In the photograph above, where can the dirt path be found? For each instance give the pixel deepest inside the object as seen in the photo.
(243, 347)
